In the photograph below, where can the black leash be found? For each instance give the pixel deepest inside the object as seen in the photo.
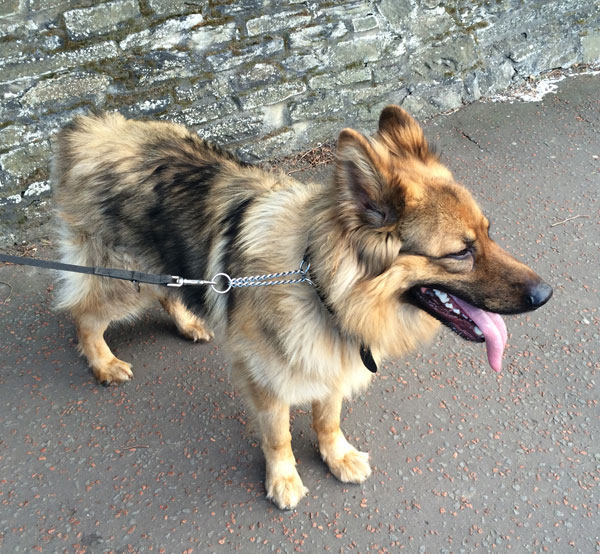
(124, 274)
(221, 283)
(174, 281)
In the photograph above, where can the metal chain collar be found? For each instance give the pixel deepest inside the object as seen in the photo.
(222, 283)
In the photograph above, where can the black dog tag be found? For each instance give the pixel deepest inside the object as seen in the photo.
(367, 358)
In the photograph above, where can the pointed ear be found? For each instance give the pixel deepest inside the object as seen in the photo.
(361, 180)
(403, 135)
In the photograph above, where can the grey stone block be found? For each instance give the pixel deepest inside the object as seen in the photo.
(278, 145)
(36, 5)
(262, 52)
(173, 32)
(472, 89)
(37, 188)
(390, 69)
(21, 50)
(333, 103)
(418, 106)
(433, 24)
(301, 63)
(197, 115)
(342, 10)
(235, 128)
(315, 106)
(66, 90)
(206, 91)
(260, 74)
(499, 78)
(327, 131)
(91, 22)
(357, 50)
(169, 7)
(148, 107)
(159, 66)
(60, 61)
(22, 164)
(398, 13)
(364, 23)
(231, 8)
(535, 55)
(207, 37)
(447, 59)
(347, 77)
(271, 95)
(13, 135)
(8, 7)
(448, 96)
(590, 44)
(271, 23)
(308, 36)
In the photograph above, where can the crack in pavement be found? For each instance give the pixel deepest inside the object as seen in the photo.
(471, 139)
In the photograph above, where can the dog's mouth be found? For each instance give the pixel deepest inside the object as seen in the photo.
(467, 321)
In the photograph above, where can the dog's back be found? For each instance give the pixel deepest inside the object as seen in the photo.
(117, 180)
(150, 196)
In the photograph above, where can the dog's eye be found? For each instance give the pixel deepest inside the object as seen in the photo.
(462, 255)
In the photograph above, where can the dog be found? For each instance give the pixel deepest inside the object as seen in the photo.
(395, 248)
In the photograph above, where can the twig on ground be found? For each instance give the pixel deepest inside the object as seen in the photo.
(304, 168)
(319, 155)
(568, 219)
(134, 446)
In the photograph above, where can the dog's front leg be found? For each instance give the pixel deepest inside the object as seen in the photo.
(283, 484)
(344, 461)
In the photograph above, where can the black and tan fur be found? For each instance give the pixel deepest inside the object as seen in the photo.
(153, 196)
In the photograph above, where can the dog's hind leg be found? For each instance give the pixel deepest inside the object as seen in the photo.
(94, 302)
(107, 368)
(344, 461)
(189, 325)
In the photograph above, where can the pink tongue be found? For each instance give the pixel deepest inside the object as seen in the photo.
(493, 328)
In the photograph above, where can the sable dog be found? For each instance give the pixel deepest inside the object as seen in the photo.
(395, 246)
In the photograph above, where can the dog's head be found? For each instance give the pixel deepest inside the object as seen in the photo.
(418, 233)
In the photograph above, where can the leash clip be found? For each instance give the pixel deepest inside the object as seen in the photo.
(177, 281)
(227, 285)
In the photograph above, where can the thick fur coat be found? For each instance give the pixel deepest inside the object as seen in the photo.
(391, 227)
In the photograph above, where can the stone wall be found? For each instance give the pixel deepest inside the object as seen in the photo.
(265, 77)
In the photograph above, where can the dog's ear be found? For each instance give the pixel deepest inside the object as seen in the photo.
(362, 182)
(403, 135)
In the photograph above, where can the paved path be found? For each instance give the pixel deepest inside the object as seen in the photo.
(465, 461)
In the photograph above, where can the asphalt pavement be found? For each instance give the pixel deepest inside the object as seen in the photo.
(464, 460)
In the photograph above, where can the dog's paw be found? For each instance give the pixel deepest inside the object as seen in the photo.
(115, 371)
(285, 491)
(353, 467)
(196, 331)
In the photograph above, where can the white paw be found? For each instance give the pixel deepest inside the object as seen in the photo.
(353, 467)
(285, 490)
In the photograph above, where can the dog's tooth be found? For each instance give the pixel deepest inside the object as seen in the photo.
(449, 305)
(441, 295)
(456, 311)
(477, 331)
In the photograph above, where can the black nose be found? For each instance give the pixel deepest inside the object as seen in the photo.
(539, 294)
